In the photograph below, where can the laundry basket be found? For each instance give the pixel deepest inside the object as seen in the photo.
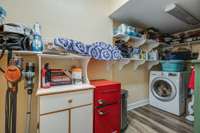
(172, 65)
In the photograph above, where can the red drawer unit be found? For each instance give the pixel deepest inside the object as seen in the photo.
(107, 106)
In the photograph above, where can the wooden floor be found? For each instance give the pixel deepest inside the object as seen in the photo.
(148, 119)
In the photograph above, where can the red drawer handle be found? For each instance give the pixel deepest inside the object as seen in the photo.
(101, 113)
(101, 102)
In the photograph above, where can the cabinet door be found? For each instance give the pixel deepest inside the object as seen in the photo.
(197, 99)
(55, 122)
(107, 119)
(82, 119)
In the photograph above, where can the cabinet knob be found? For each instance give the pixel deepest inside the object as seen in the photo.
(70, 101)
(101, 112)
(101, 101)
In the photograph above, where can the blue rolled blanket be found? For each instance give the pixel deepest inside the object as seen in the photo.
(97, 50)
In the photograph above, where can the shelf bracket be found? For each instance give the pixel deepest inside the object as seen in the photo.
(109, 65)
(152, 63)
(140, 42)
(122, 63)
(138, 63)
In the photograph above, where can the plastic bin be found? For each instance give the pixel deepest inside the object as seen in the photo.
(172, 65)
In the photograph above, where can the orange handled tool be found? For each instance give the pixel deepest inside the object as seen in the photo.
(12, 73)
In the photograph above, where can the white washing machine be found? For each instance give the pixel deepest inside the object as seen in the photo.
(167, 91)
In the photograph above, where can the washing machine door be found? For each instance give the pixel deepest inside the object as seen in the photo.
(163, 89)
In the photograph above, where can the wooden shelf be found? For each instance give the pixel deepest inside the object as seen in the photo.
(84, 60)
(64, 56)
(22, 52)
(57, 56)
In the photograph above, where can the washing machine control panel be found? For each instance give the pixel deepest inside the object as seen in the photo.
(172, 74)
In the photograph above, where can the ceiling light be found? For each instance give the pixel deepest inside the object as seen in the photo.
(181, 14)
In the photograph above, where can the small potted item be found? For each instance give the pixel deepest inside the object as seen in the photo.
(76, 75)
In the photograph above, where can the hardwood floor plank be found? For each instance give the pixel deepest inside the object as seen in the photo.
(148, 119)
(170, 117)
(155, 127)
(167, 122)
(181, 118)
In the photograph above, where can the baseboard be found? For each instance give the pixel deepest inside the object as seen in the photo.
(138, 104)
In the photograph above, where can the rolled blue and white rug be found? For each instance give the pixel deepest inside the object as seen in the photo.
(97, 50)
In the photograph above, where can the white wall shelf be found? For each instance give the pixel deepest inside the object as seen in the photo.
(137, 63)
(63, 56)
(181, 44)
(55, 56)
(138, 41)
(149, 44)
(22, 52)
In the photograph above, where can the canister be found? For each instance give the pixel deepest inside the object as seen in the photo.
(77, 75)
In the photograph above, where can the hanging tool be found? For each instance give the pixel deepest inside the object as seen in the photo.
(13, 75)
(29, 74)
(12, 37)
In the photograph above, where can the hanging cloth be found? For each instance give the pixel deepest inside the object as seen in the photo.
(191, 84)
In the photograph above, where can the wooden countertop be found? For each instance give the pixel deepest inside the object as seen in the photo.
(63, 89)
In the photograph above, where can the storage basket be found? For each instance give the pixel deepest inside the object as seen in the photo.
(173, 65)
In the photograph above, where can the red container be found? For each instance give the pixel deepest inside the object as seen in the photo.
(107, 106)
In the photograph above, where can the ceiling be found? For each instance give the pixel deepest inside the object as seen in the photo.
(150, 13)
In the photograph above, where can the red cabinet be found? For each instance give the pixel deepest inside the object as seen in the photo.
(107, 106)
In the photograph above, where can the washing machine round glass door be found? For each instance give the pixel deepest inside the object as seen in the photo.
(163, 89)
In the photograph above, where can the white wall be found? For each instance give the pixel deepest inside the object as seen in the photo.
(116, 4)
(85, 20)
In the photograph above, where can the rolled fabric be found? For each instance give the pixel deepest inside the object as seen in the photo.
(80, 48)
(94, 52)
(103, 45)
(97, 50)
(66, 44)
(116, 54)
(106, 54)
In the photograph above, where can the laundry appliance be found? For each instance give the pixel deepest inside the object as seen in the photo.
(167, 91)
(107, 106)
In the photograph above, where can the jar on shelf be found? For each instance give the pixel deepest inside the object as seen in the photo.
(77, 75)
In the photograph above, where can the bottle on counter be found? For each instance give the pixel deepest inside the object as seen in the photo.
(37, 44)
(77, 75)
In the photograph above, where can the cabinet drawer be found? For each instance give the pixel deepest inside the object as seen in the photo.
(57, 102)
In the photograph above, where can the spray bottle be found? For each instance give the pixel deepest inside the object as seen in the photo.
(37, 44)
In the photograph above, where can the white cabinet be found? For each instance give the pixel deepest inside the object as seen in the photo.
(81, 119)
(51, 103)
(55, 122)
(70, 112)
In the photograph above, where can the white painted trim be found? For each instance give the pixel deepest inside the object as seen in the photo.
(138, 104)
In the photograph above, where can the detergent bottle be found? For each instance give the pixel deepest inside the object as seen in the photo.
(37, 44)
